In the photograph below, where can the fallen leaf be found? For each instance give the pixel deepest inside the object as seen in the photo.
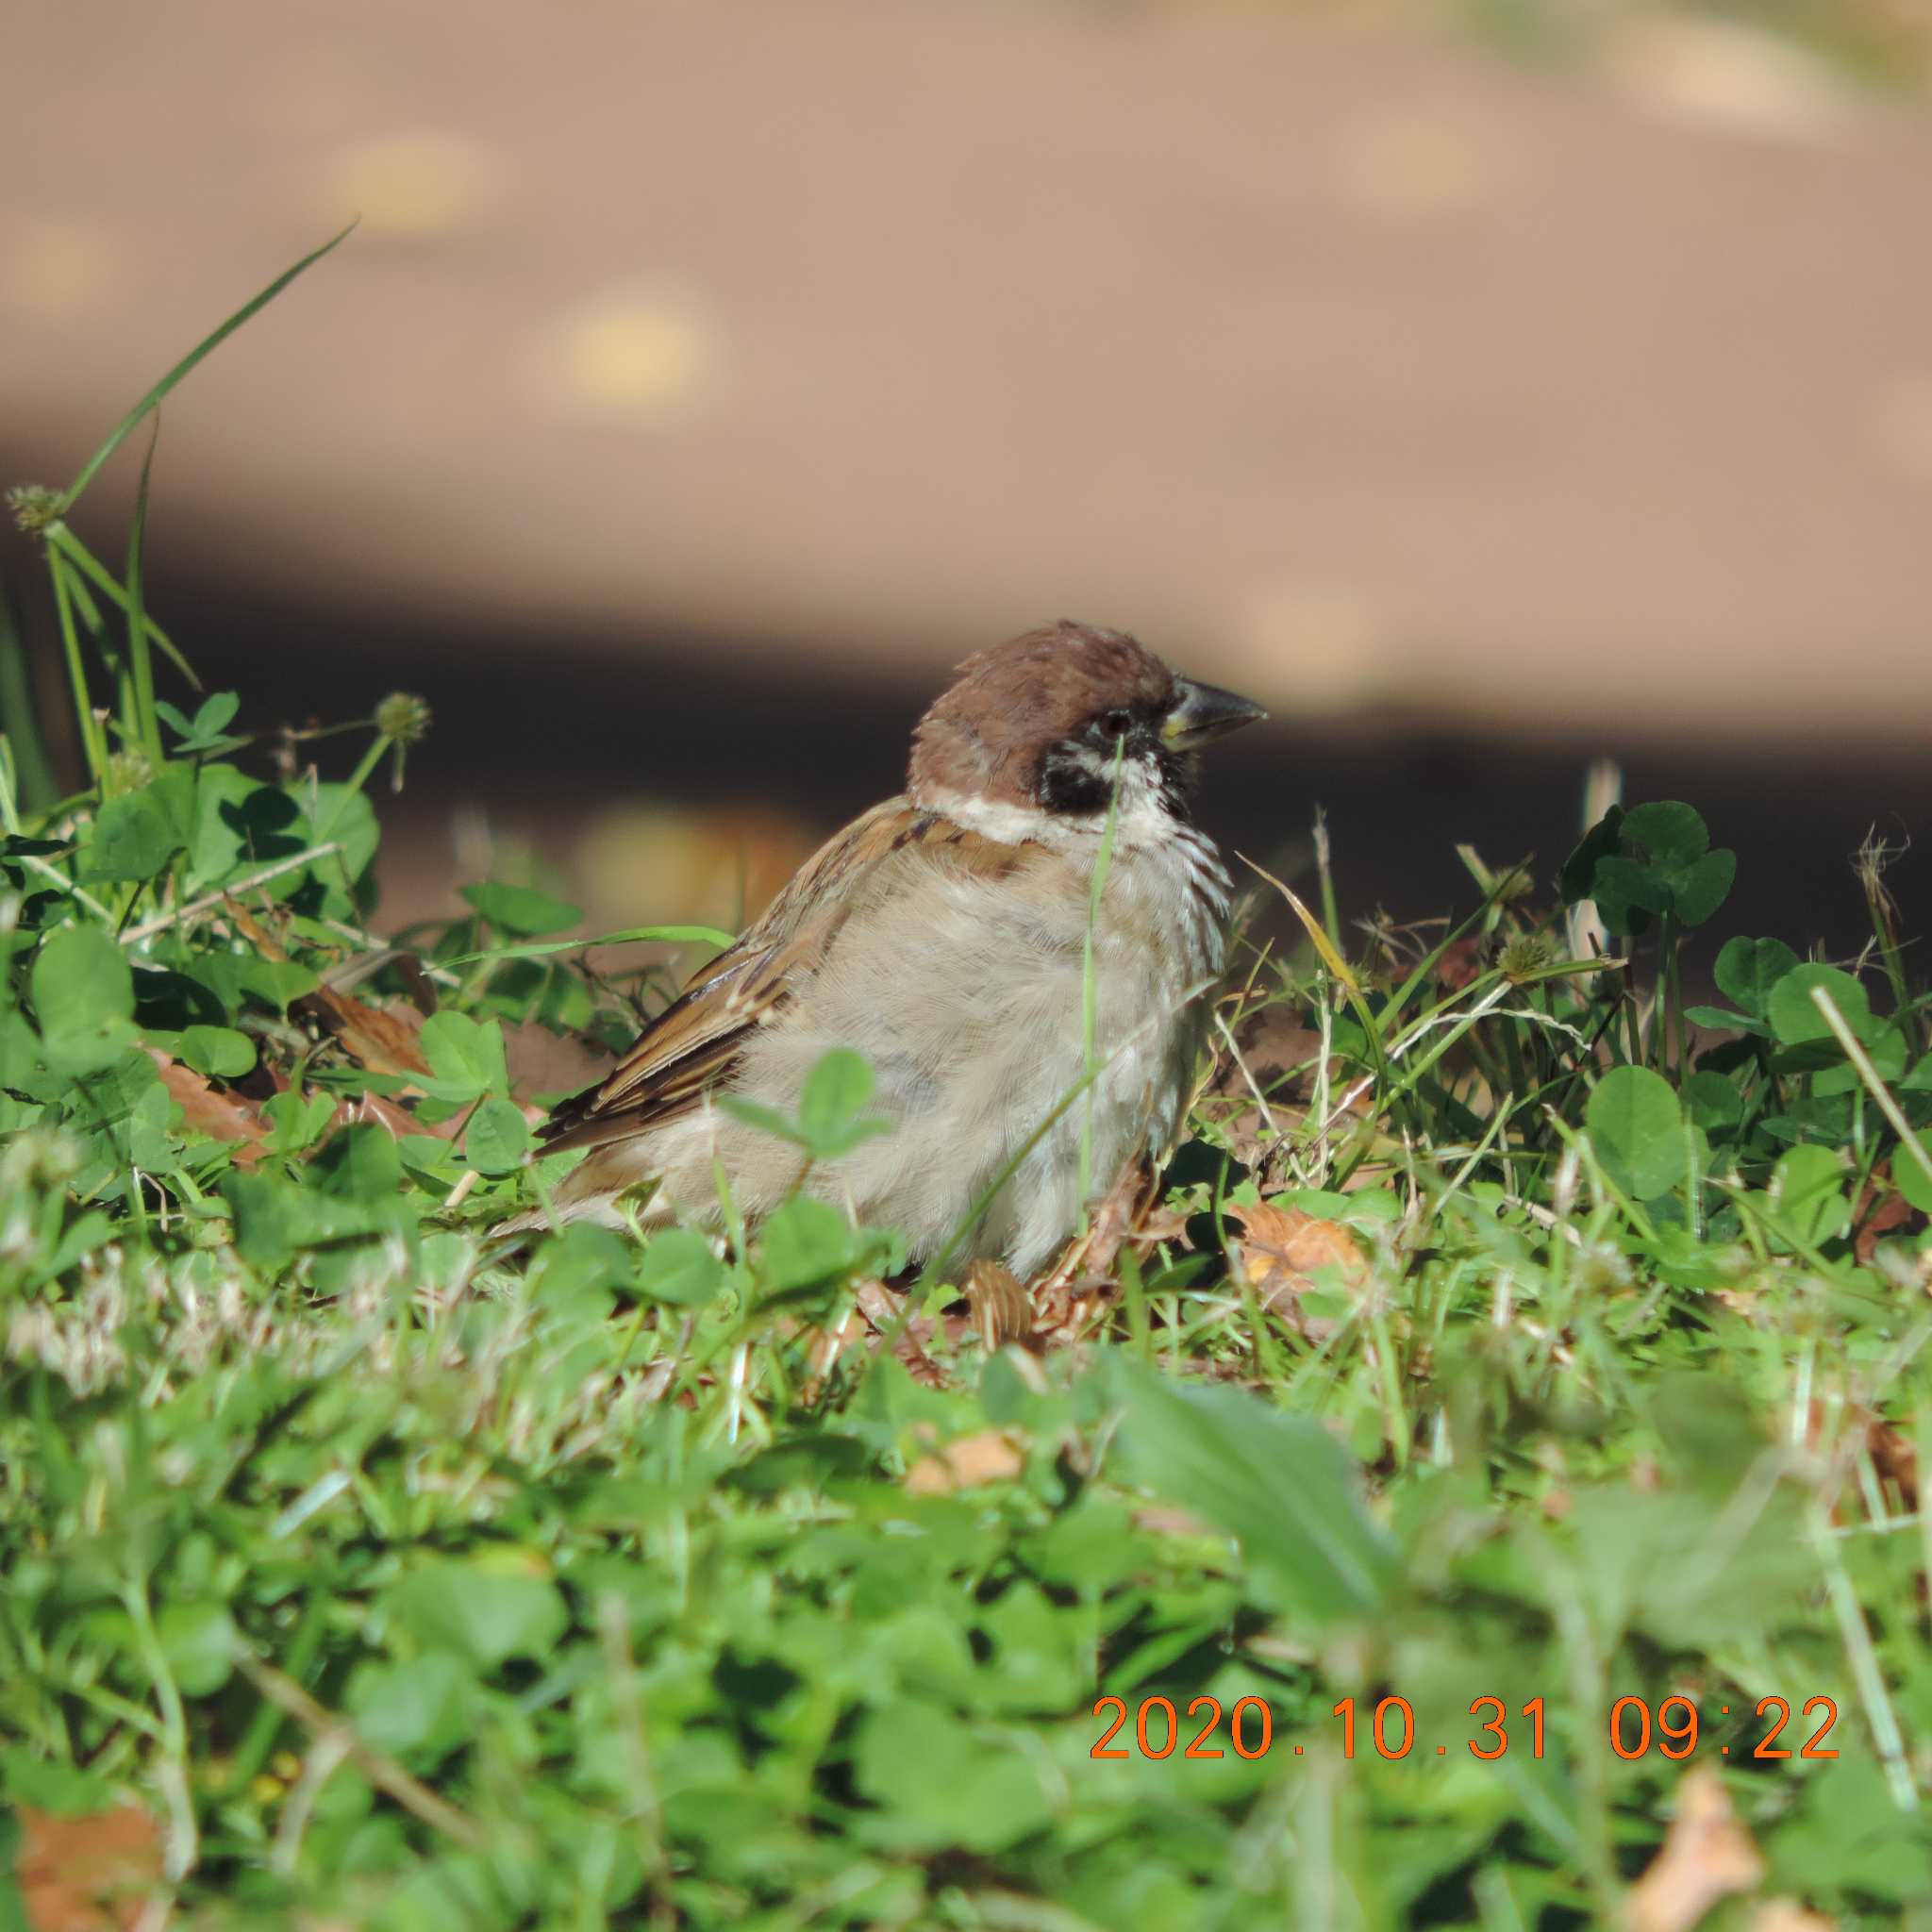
(1881, 1210)
(823, 1348)
(1276, 1051)
(416, 980)
(205, 1109)
(540, 1061)
(1894, 1460)
(1460, 962)
(378, 1109)
(1706, 1856)
(989, 1457)
(382, 1039)
(1276, 1054)
(1841, 1433)
(883, 1310)
(89, 1874)
(1282, 1247)
(1065, 1298)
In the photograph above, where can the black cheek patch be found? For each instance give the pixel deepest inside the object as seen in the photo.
(1065, 785)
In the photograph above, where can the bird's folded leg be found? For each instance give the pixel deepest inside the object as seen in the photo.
(1002, 1309)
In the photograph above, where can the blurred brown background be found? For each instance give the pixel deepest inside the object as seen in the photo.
(1483, 388)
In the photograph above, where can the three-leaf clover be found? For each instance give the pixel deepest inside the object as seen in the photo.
(1653, 862)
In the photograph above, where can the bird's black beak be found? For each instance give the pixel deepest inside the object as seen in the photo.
(1200, 712)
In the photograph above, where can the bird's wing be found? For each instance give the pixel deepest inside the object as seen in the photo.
(696, 1042)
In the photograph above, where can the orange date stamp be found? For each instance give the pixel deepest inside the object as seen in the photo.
(1633, 1728)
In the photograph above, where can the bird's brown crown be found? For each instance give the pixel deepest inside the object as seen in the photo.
(985, 736)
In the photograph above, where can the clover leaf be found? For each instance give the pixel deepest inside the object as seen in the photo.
(1653, 862)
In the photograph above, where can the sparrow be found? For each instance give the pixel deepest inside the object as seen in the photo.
(944, 935)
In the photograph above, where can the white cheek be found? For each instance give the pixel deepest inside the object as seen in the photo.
(1007, 825)
(1142, 817)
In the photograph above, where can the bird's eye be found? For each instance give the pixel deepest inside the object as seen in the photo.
(1117, 724)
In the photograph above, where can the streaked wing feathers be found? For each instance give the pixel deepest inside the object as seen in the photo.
(695, 1043)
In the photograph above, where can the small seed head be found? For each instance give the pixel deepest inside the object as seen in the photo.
(128, 770)
(36, 508)
(1525, 958)
(1510, 888)
(403, 718)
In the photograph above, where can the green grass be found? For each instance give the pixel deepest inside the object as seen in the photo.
(403, 1582)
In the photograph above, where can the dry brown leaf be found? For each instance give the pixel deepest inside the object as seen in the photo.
(1706, 1856)
(1081, 1285)
(207, 1110)
(540, 1061)
(1881, 1210)
(883, 1310)
(1460, 962)
(252, 929)
(380, 1111)
(382, 1039)
(823, 1348)
(1277, 1052)
(1841, 1433)
(418, 984)
(1274, 1056)
(989, 1457)
(86, 1875)
(1894, 1460)
(1282, 1247)
(1076, 1315)
(1116, 1223)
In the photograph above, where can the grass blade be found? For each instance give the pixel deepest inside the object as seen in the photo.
(19, 718)
(1317, 933)
(631, 935)
(84, 560)
(207, 343)
(147, 724)
(93, 744)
